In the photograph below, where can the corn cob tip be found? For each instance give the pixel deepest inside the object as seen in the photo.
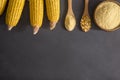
(36, 29)
(10, 28)
(52, 25)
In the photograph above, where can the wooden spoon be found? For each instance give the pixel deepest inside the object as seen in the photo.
(86, 21)
(70, 20)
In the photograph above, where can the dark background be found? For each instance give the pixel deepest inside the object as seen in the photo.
(58, 54)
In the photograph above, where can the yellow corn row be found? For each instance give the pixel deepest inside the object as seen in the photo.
(53, 12)
(2, 6)
(14, 11)
(36, 14)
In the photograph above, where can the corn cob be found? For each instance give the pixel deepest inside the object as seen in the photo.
(14, 11)
(36, 14)
(2, 6)
(53, 12)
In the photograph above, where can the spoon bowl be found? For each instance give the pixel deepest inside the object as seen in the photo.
(70, 20)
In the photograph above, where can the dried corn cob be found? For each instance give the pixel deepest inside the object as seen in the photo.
(14, 11)
(36, 14)
(53, 12)
(2, 6)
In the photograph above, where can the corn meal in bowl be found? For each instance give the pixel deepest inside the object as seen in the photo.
(107, 15)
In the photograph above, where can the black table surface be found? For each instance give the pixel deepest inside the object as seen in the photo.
(59, 54)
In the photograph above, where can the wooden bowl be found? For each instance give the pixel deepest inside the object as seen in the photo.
(108, 30)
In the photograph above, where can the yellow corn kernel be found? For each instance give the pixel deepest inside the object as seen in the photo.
(85, 23)
(53, 12)
(2, 6)
(14, 11)
(36, 14)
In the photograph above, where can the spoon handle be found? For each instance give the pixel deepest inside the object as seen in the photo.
(86, 7)
(110, 0)
(70, 5)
